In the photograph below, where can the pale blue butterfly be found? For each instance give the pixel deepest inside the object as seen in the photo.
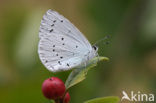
(62, 46)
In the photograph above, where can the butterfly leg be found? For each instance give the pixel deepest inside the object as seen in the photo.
(85, 64)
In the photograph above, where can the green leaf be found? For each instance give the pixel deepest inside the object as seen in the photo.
(104, 100)
(51, 101)
(79, 74)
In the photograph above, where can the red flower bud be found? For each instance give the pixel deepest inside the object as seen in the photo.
(66, 98)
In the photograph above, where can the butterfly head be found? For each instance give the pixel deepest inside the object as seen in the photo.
(95, 48)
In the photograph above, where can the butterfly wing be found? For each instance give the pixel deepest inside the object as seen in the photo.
(62, 46)
(53, 20)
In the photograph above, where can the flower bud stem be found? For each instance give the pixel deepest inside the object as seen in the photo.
(59, 101)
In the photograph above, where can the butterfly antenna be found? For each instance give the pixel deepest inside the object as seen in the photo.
(105, 38)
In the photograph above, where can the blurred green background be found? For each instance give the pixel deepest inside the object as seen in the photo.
(132, 49)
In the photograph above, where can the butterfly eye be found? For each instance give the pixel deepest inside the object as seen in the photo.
(94, 47)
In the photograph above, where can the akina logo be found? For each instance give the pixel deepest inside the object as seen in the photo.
(137, 97)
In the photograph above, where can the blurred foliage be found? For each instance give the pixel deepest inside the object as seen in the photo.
(132, 49)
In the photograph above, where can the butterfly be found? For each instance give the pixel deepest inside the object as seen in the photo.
(61, 45)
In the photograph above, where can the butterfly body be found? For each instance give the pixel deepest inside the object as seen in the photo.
(62, 46)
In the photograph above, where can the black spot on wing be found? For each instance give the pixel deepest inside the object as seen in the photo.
(59, 62)
(51, 30)
(67, 64)
(69, 31)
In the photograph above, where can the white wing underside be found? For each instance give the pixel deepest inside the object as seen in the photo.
(62, 46)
